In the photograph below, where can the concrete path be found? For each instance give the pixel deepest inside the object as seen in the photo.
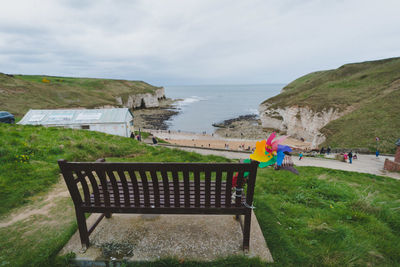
(364, 163)
(135, 237)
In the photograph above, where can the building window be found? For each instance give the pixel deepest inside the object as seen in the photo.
(85, 127)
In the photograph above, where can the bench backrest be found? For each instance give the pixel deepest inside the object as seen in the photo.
(141, 184)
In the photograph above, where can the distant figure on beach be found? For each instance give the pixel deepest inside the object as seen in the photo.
(300, 155)
(350, 155)
(154, 140)
(328, 151)
(377, 153)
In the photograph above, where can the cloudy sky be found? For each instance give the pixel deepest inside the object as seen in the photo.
(194, 42)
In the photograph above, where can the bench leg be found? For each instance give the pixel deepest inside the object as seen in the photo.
(246, 231)
(83, 232)
(108, 215)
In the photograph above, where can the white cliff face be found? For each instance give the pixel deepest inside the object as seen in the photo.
(142, 100)
(298, 122)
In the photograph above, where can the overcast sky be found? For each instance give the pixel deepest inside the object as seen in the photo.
(194, 42)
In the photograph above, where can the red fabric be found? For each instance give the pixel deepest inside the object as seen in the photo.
(234, 179)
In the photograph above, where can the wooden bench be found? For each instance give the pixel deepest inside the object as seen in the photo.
(159, 188)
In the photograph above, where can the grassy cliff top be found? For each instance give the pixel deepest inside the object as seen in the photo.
(371, 90)
(19, 93)
(349, 85)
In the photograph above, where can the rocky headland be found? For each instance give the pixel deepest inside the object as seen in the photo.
(345, 107)
(155, 117)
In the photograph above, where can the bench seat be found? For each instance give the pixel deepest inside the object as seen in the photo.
(213, 196)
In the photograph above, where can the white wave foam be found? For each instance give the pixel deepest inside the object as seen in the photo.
(190, 100)
(253, 111)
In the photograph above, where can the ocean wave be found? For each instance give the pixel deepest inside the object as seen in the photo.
(190, 100)
(253, 111)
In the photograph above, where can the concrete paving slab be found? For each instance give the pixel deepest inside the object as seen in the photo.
(134, 237)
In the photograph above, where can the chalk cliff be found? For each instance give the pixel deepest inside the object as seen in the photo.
(147, 100)
(298, 122)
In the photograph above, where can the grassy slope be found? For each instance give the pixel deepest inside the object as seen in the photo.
(321, 217)
(371, 88)
(20, 178)
(328, 217)
(20, 93)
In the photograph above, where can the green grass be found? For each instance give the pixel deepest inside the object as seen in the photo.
(321, 217)
(328, 217)
(371, 89)
(29, 154)
(64, 92)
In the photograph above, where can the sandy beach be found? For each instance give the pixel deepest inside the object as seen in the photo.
(216, 141)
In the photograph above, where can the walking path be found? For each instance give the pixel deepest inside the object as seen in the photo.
(364, 163)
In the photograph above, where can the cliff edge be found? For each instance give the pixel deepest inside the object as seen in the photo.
(19, 93)
(345, 107)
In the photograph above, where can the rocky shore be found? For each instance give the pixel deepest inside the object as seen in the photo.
(245, 126)
(155, 118)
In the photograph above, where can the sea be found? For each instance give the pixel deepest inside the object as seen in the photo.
(202, 105)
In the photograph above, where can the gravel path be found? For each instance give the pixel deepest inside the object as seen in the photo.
(364, 163)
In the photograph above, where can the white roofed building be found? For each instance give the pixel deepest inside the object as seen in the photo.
(117, 121)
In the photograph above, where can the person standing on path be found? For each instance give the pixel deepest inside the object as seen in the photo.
(350, 155)
(154, 140)
(300, 155)
(377, 153)
(328, 151)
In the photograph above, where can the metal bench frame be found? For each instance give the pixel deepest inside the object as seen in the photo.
(159, 188)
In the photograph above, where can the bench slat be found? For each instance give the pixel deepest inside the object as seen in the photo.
(156, 191)
(175, 178)
(103, 181)
(186, 188)
(165, 184)
(145, 185)
(218, 178)
(95, 186)
(113, 181)
(85, 186)
(228, 189)
(197, 188)
(134, 181)
(125, 187)
(208, 187)
(239, 187)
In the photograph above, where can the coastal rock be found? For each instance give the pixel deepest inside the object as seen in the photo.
(298, 122)
(146, 100)
(155, 118)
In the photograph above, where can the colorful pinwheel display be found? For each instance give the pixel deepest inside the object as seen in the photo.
(269, 152)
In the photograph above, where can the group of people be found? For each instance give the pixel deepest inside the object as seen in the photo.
(349, 156)
(346, 156)
(328, 150)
